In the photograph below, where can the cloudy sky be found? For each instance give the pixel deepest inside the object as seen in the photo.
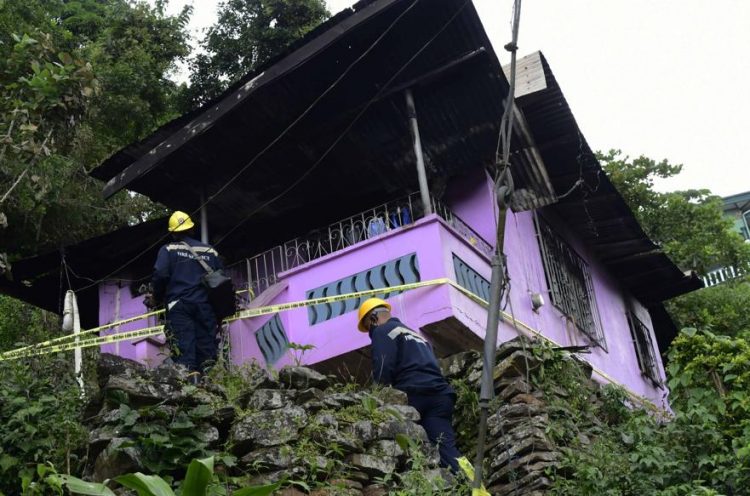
(664, 78)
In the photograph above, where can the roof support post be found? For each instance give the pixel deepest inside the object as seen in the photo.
(204, 219)
(421, 172)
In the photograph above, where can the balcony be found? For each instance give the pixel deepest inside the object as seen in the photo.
(262, 270)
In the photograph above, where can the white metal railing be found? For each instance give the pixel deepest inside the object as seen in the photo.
(263, 269)
(722, 274)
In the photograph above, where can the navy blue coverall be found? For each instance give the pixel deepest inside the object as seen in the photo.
(403, 359)
(177, 282)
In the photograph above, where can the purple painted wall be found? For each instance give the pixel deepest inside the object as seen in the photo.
(435, 242)
(116, 303)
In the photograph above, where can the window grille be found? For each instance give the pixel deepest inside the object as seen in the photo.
(470, 279)
(570, 285)
(644, 348)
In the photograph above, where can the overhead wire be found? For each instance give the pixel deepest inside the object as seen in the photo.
(351, 124)
(270, 144)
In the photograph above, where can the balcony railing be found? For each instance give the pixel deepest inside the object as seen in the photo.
(722, 275)
(263, 269)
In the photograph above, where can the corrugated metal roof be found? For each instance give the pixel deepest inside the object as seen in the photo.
(459, 90)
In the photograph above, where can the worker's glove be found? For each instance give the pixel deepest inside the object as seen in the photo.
(149, 301)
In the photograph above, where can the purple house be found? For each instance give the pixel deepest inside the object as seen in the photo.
(357, 160)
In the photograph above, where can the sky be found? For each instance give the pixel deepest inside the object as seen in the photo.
(662, 78)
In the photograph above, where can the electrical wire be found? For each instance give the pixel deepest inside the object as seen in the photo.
(348, 127)
(270, 144)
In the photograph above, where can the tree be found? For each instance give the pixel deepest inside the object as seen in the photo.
(688, 225)
(722, 309)
(78, 80)
(247, 34)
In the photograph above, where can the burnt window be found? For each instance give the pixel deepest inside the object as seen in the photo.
(569, 283)
(644, 348)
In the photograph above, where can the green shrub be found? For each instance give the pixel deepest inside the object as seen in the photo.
(40, 403)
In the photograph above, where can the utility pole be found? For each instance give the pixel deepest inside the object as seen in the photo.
(498, 282)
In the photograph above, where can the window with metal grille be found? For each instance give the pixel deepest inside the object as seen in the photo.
(644, 348)
(569, 282)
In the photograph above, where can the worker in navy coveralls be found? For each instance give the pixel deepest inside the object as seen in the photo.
(403, 359)
(177, 283)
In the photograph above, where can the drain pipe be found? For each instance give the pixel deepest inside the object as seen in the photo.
(421, 172)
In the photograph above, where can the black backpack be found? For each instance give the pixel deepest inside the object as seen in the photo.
(219, 287)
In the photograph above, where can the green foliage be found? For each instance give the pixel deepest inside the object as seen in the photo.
(702, 449)
(688, 225)
(39, 406)
(722, 309)
(21, 323)
(247, 34)
(78, 80)
(168, 439)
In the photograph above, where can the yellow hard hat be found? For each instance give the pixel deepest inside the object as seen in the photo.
(366, 307)
(180, 221)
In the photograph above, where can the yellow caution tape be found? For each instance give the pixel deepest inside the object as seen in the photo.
(50, 346)
(282, 307)
(82, 333)
(87, 343)
(468, 469)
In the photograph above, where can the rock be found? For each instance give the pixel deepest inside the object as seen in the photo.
(340, 400)
(500, 455)
(302, 378)
(509, 347)
(170, 373)
(141, 392)
(313, 406)
(519, 467)
(194, 395)
(374, 466)
(274, 458)
(401, 412)
(456, 365)
(359, 476)
(267, 428)
(326, 420)
(346, 443)
(386, 447)
(390, 428)
(269, 399)
(109, 365)
(271, 477)
(507, 388)
(100, 437)
(364, 430)
(528, 399)
(392, 396)
(208, 434)
(117, 459)
(375, 490)
(517, 364)
(223, 418)
(309, 394)
(93, 406)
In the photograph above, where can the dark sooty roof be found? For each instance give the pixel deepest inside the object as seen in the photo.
(595, 210)
(458, 87)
